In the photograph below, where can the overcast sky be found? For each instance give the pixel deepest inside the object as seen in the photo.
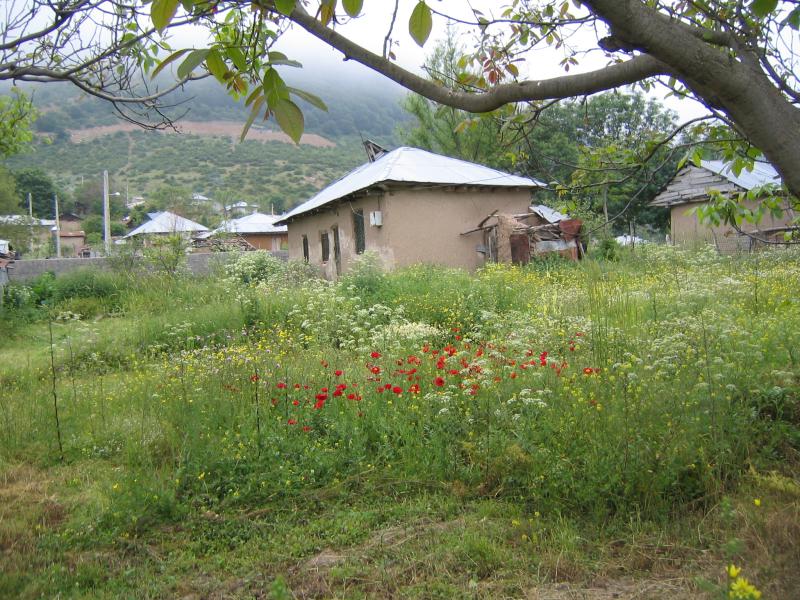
(371, 27)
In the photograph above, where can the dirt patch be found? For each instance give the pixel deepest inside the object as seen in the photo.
(231, 129)
(620, 588)
(26, 507)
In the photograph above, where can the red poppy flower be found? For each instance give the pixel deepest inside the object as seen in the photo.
(281, 385)
(513, 375)
(458, 337)
(454, 371)
(306, 428)
(388, 386)
(588, 371)
(397, 389)
(296, 402)
(543, 359)
(254, 377)
(320, 401)
(414, 389)
(375, 354)
(297, 386)
(438, 382)
(337, 393)
(426, 348)
(351, 396)
(338, 372)
(291, 422)
(376, 369)
(324, 389)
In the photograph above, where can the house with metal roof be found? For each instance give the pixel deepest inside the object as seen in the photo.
(409, 206)
(690, 189)
(167, 223)
(257, 229)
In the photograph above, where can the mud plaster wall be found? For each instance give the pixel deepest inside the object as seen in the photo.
(419, 226)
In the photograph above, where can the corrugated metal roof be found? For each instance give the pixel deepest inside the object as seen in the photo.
(548, 214)
(166, 222)
(412, 165)
(254, 223)
(762, 174)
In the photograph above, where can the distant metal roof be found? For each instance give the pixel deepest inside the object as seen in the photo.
(254, 223)
(411, 165)
(762, 174)
(166, 222)
(26, 220)
(548, 214)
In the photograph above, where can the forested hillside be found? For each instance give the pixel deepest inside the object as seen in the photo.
(79, 137)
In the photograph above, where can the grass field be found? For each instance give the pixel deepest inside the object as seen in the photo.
(595, 430)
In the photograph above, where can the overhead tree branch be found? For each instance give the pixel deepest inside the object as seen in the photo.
(614, 75)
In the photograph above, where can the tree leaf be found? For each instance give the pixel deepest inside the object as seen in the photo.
(285, 6)
(327, 9)
(162, 11)
(310, 98)
(194, 60)
(353, 7)
(290, 119)
(275, 88)
(420, 23)
(163, 64)
(253, 114)
(216, 66)
(761, 8)
(237, 57)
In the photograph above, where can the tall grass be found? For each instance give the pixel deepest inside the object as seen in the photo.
(640, 387)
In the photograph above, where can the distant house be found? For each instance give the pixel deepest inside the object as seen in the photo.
(409, 206)
(690, 189)
(257, 229)
(166, 223)
(240, 208)
(72, 242)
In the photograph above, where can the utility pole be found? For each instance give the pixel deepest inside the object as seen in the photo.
(106, 216)
(58, 228)
(30, 222)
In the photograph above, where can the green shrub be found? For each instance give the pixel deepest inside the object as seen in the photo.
(85, 283)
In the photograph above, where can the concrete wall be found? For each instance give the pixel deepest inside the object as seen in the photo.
(419, 226)
(198, 264)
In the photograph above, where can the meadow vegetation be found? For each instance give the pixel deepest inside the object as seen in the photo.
(625, 427)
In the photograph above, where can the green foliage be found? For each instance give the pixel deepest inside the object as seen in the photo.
(445, 130)
(608, 248)
(166, 254)
(366, 275)
(85, 283)
(42, 189)
(16, 116)
(256, 267)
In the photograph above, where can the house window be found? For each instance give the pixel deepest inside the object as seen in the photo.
(337, 253)
(326, 246)
(358, 230)
(305, 248)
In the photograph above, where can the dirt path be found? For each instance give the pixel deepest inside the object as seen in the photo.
(232, 129)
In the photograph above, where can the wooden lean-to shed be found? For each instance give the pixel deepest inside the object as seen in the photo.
(520, 237)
